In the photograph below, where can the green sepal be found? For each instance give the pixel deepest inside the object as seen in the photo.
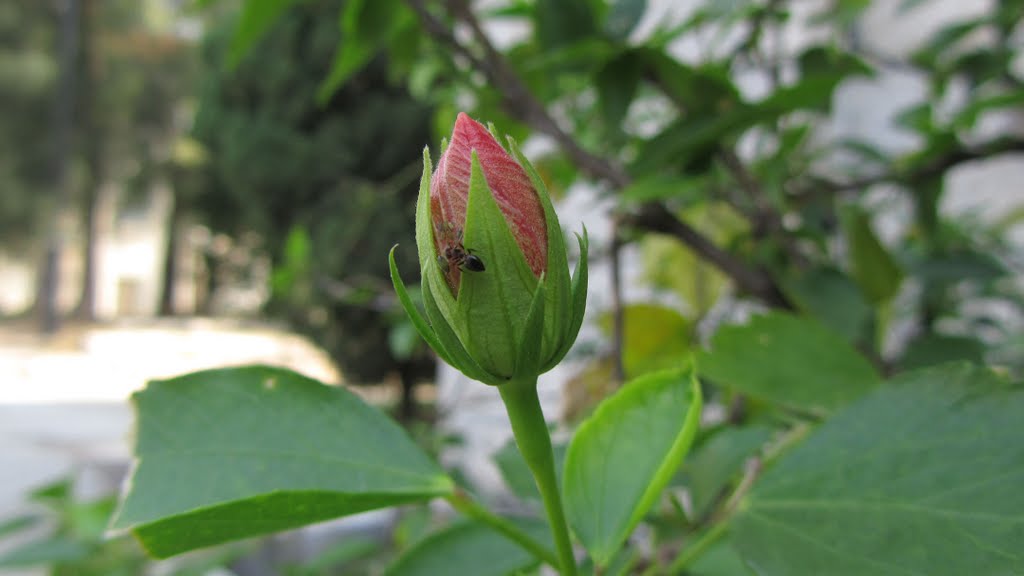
(460, 358)
(418, 321)
(449, 347)
(528, 359)
(433, 279)
(579, 302)
(491, 307)
(558, 322)
(424, 229)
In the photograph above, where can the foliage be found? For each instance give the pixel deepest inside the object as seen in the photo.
(323, 184)
(28, 74)
(832, 442)
(73, 542)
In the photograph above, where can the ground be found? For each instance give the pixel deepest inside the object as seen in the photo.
(64, 399)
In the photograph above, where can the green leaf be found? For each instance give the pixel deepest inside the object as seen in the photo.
(49, 551)
(624, 455)
(717, 461)
(366, 26)
(875, 271)
(917, 118)
(236, 452)
(789, 360)
(562, 22)
(969, 115)
(450, 341)
(664, 187)
(559, 328)
(810, 93)
(960, 264)
(833, 298)
(930, 349)
(691, 141)
(920, 477)
(481, 317)
(413, 312)
(432, 282)
(721, 559)
(516, 473)
(468, 548)
(670, 265)
(17, 524)
(349, 550)
(528, 358)
(623, 17)
(578, 288)
(928, 56)
(617, 83)
(256, 18)
(655, 337)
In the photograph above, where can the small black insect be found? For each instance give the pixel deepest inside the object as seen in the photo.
(455, 254)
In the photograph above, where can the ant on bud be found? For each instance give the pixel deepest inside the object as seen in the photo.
(455, 254)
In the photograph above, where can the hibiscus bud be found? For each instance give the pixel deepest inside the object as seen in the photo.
(510, 186)
(499, 300)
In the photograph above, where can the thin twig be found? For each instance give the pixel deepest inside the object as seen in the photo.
(922, 172)
(766, 219)
(618, 311)
(518, 99)
(657, 218)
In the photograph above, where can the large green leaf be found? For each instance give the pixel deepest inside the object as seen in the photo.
(922, 477)
(624, 455)
(232, 453)
(790, 360)
(469, 548)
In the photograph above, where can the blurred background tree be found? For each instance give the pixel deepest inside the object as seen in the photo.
(294, 128)
(28, 73)
(326, 186)
(117, 98)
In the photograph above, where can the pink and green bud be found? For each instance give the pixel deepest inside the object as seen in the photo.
(511, 187)
(499, 301)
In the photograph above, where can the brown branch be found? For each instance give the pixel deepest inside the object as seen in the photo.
(922, 172)
(656, 218)
(766, 219)
(764, 216)
(518, 99)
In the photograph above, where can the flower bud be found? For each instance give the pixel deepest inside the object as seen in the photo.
(496, 287)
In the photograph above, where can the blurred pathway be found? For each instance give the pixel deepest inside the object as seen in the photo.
(64, 400)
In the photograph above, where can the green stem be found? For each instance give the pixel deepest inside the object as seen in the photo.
(531, 433)
(695, 550)
(465, 504)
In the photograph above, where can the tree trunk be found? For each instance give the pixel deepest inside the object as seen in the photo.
(94, 140)
(86, 308)
(63, 132)
(170, 276)
(407, 373)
